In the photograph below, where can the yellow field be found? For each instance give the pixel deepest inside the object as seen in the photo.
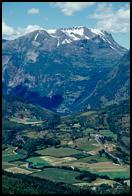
(88, 113)
(17, 170)
(94, 152)
(100, 181)
(99, 166)
(57, 161)
(97, 182)
(110, 147)
(25, 121)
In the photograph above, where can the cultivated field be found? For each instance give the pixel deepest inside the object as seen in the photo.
(82, 153)
(25, 121)
(58, 175)
(38, 161)
(119, 173)
(102, 168)
(17, 170)
(96, 182)
(58, 152)
(94, 158)
(108, 133)
(34, 134)
(9, 154)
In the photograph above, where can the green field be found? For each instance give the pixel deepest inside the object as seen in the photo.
(38, 162)
(88, 147)
(89, 130)
(34, 134)
(108, 133)
(7, 158)
(9, 155)
(94, 157)
(104, 167)
(85, 144)
(8, 150)
(58, 152)
(58, 175)
(116, 174)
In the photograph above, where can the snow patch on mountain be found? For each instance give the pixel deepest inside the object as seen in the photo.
(66, 41)
(51, 31)
(74, 31)
(97, 32)
(36, 37)
(68, 35)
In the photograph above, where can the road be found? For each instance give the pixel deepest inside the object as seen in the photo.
(106, 151)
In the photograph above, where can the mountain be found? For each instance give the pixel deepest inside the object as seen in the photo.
(4, 40)
(58, 68)
(52, 38)
(68, 35)
(112, 90)
(14, 107)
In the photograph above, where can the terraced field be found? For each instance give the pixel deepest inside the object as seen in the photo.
(57, 157)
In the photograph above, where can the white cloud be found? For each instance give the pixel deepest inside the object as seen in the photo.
(69, 8)
(112, 20)
(10, 33)
(28, 29)
(33, 11)
(104, 6)
(6, 29)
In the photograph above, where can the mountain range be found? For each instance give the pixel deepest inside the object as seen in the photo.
(67, 69)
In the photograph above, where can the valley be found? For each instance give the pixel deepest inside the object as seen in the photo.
(65, 113)
(81, 146)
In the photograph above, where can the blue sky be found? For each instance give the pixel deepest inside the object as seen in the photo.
(24, 17)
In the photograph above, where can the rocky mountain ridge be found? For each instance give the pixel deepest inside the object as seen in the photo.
(59, 66)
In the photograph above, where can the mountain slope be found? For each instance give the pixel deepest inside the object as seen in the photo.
(115, 88)
(43, 63)
(18, 108)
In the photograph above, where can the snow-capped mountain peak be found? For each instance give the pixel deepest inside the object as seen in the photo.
(51, 31)
(68, 35)
(97, 31)
(54, 38)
